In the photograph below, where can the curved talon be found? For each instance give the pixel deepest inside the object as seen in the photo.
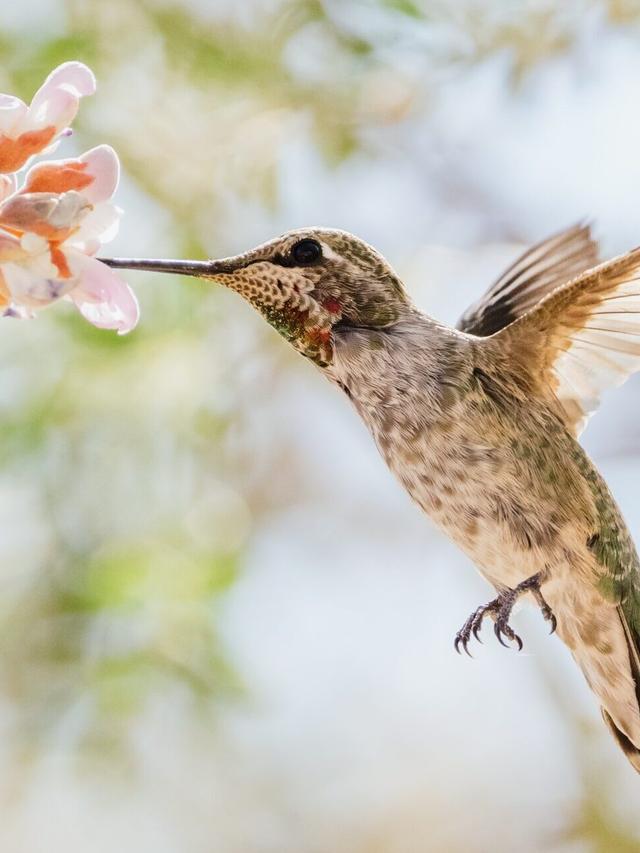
(497, 630)
(546, 611)
(472, 626)
(457, 642)
(509, 633)
(498, 634)
(462, 639)
(549, 617)
(465, 645)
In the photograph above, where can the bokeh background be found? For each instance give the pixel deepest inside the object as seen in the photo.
(223, 626)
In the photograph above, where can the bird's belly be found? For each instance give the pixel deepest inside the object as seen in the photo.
(508, 531)
(502, 558)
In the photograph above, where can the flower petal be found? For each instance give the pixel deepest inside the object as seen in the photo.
(99, 226)
(28, 287)
(14, 153)
(101, 296)
(8, 185)
(12, 112)
(11, 249)
(51, 215)
(18, 312)
(5, 296)
(75, 77)
(57, 111)
(56, 102)
(56, 176)
(95, 174)
(37, 255)
(104, 167)
(25, 131)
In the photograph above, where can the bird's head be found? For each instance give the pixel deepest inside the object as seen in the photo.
(308, 284)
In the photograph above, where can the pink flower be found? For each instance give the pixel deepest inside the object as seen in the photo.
(53, 225)
(51, 229)
(28, 130)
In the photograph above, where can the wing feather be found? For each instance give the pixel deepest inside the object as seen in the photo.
(581, 339)
(537, 272)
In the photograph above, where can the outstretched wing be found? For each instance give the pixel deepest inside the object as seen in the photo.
(579, 340)
(536, 273)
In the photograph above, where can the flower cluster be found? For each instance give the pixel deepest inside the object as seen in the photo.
(55, 220)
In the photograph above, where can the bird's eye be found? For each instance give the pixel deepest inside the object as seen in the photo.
(306, 252)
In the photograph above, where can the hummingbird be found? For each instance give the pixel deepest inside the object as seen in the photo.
(480, 422)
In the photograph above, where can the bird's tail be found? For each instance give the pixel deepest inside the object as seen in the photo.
(611, 665)
(630, 747)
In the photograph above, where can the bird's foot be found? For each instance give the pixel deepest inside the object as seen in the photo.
(500, 611)
(474, 623)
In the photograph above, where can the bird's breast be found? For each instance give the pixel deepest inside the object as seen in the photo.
(486, 487)
(499, 475)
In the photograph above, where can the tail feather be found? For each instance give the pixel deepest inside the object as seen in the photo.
(610, 662)
(630, 750)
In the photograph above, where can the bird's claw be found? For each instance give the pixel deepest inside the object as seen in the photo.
(476, 631)
(503, 628)
(500, 611)
(473, 625)
(462, 641)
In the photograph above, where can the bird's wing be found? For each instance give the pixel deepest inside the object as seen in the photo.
(531, 277)
(579, 340)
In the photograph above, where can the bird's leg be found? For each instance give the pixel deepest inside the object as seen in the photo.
(546, 611)
(500, 611)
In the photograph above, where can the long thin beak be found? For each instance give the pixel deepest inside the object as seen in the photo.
(202, 269)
